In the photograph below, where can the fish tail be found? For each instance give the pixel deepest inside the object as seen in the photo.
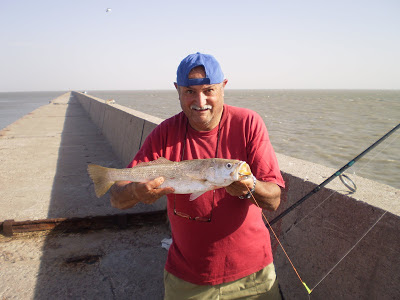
(101, 181)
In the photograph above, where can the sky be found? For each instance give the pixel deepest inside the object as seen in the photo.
(76, 45)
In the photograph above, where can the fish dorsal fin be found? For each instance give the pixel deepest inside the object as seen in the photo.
(161, 160)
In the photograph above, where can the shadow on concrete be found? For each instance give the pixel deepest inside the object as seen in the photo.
(105, 264)
(343, 249)
(81, 143)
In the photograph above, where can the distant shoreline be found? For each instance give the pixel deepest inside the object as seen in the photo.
(227, 89)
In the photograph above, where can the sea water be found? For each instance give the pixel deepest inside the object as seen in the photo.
(17, 104)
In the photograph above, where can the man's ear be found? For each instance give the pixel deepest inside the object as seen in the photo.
(176, 85)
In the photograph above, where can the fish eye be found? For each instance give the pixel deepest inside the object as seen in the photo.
(229, 165)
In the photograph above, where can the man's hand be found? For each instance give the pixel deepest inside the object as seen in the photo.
(267, 194)
(239, 188)
(126, 194)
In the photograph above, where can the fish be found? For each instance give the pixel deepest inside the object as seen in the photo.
(194, 177)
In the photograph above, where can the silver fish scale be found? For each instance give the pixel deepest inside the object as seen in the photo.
(195, 169)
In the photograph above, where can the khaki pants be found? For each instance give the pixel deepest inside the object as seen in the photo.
(260, 285)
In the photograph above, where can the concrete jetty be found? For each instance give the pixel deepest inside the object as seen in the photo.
(344, 245)
(43, 161)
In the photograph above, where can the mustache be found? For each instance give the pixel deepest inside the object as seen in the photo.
(205, 107)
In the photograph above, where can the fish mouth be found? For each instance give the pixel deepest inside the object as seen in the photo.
(244, 169)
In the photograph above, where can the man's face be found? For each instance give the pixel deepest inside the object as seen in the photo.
(202, 104)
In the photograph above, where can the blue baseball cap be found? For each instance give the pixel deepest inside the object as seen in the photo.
(211, 66)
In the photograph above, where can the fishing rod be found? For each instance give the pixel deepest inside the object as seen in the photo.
(333, 176)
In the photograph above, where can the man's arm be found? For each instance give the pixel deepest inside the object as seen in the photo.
(126, 194)
(267, 194)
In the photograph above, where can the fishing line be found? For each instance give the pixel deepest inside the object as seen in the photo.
(297, 222)
(333, 176)
(363, 165)
(337, 173)
(276, 237)
(309, 291)
(351, 249)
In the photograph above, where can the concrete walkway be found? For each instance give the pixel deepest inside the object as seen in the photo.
(43, 161)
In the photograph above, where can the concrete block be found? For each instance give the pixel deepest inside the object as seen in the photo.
(132, 138)
(96, 112)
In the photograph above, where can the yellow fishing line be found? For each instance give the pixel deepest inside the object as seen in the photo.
(287, 256)
(307, 288)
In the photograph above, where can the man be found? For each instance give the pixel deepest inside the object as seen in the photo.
(221, 248)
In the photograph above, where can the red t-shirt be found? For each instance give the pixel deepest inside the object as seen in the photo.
(236, 242)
